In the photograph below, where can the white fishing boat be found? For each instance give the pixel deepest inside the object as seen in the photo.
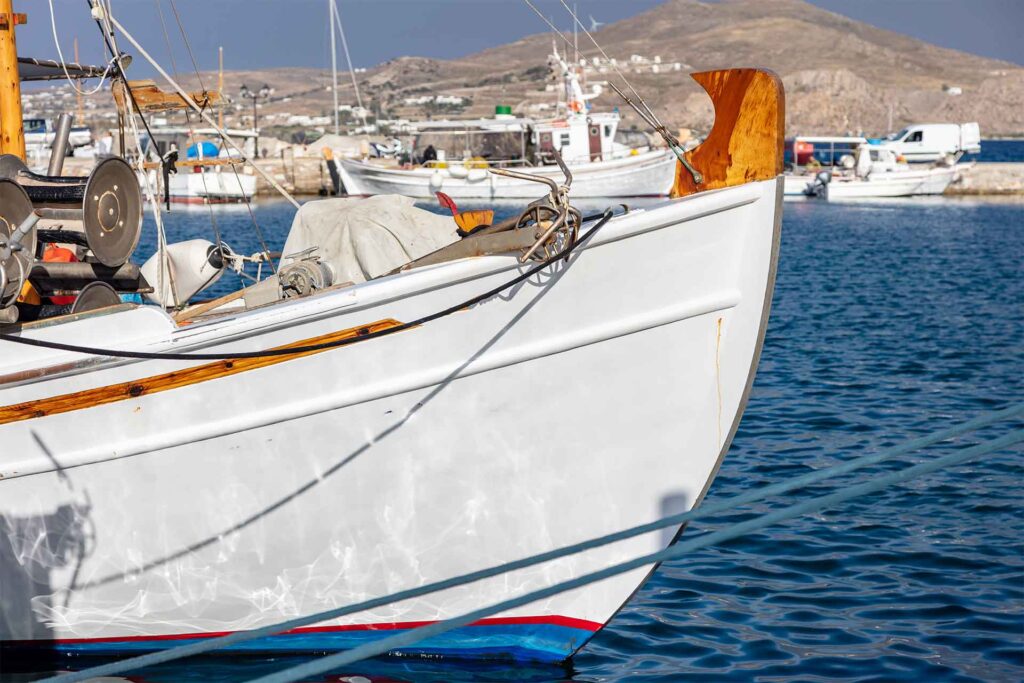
(337, 440)
(646, 174)
(203, 172)
(458, 166)
(812, 155)
(876, 172)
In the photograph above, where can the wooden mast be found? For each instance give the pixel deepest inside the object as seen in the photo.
(12, 131)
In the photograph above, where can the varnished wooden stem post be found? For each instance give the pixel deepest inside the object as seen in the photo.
(745, 143)
(12, 131)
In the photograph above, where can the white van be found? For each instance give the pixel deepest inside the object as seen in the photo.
(933, 141)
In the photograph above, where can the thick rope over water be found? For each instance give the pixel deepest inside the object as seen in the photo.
(417, 635)
(291, 351)
(707, 510)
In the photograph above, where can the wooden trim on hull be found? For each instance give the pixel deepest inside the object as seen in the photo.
(746, 142)
(124, 391)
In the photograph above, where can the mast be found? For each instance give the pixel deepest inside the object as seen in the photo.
(348, 59)
(575, 38)
(220, 86)
(12, 131)
(334, 65)
(78, 91)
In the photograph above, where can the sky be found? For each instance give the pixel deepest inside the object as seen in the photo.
(271, 33)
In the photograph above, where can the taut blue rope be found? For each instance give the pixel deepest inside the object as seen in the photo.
(674, 520)
(416, 635)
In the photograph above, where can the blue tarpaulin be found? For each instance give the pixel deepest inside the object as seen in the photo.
(209, 151)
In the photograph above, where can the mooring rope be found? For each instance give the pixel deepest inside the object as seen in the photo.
(311, 348)
(416, 635)
(704, 511)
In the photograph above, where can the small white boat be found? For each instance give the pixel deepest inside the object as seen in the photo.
(811, 155)
(211, 185)
(600, 166)
(206, 174)
(877, 173)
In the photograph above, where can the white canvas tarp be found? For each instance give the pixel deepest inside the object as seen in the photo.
(365, 238)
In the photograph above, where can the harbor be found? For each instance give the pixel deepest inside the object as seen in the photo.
(555, 357)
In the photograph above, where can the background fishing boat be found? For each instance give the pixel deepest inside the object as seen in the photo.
(457, 166)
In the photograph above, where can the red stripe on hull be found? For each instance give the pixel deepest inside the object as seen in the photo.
(553, 620)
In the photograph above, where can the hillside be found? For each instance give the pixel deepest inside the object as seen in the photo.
(840, 75)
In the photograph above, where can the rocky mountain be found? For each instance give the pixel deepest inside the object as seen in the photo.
(840, 75)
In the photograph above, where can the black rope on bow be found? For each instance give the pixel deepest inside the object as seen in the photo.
(311, 348)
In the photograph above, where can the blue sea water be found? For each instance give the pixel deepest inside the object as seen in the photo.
(890, 320)
(999, 150)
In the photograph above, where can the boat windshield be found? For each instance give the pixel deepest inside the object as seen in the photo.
(35, 125)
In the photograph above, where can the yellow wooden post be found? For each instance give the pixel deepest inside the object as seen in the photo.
(12, 132)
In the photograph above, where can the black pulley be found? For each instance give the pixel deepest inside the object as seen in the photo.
(95, 295)
(15, 207)
(112, 210)
(42, 189)
(110, 201)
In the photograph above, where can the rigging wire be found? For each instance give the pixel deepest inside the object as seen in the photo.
(234, 169)
(348, 58)
(188, 119)
(188, 99)
(63, 65)
(188, 46)
(547, 21)
(101, 11)
(641, 107)
(704, 511)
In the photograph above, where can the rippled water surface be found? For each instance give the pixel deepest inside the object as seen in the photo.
(890, 321)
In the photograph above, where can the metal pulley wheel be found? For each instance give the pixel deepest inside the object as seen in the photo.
(540, 217)
(11, 166)
(112, 212)
(303, 278)
(95, 295)
(15, 207)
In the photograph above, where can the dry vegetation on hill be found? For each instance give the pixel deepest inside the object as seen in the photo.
(841, 75)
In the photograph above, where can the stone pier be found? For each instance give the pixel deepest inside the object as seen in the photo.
(990, 178)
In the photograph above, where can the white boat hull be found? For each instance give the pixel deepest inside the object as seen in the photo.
(209, 187)
(592, 398)
(642, 175)
(797, 185)
(931, 181)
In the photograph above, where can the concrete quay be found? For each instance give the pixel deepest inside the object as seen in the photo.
(990, 178)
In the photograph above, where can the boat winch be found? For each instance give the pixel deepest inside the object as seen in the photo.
(17, 240)
(106, 206)
(305, 275)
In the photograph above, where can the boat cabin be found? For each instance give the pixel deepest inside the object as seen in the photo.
(509, 141)
(808, 153)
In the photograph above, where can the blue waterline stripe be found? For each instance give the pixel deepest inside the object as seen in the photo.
(706, 510)
(547, 643)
